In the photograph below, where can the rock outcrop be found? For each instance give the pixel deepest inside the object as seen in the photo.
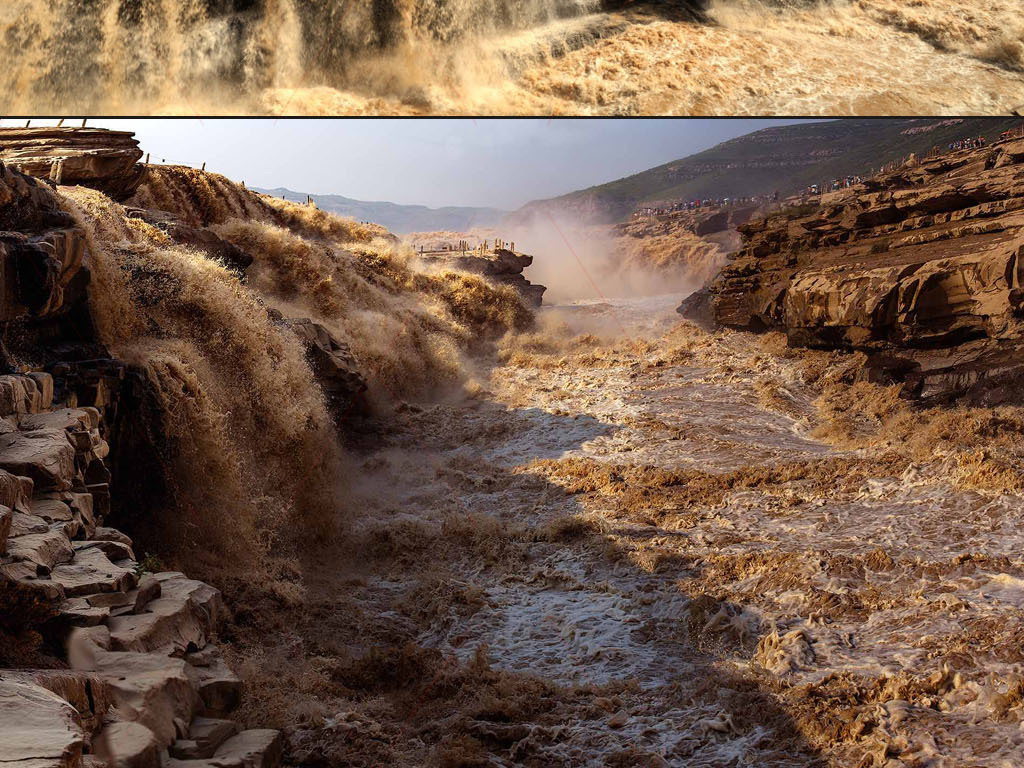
(43, 273)
(107, 663)
(333, 365)
(920, 268)
(92, 157)
(501, 266)
(145, 687)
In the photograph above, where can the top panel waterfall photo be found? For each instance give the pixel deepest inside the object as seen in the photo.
(512, 57)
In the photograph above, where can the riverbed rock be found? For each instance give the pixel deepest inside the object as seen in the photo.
(921, 268)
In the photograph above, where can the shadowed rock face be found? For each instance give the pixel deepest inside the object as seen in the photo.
(98, 158)
(920, 268)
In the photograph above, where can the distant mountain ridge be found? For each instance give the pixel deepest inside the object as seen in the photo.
(400, 219)
(784, 158)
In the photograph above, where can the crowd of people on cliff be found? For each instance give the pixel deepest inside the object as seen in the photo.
(976, 143)
(704, 203)
(836, 184)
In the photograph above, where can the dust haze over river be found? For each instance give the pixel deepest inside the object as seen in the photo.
(636, 543)
(513, 56)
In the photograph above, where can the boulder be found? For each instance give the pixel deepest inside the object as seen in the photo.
(335, 368)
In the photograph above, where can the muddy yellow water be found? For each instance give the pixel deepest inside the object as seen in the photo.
(657, 546)
(514, 56)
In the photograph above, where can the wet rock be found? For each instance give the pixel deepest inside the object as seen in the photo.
(335, 368)
(698, 308)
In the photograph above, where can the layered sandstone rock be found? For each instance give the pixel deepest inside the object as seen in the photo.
(920, 268)
(146, 685)
(42, 253)
(91, 157)
(142, 685)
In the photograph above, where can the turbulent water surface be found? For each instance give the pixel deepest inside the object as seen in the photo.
(513, 56)
(654, 546)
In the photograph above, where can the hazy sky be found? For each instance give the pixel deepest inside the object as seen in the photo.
(435, 162)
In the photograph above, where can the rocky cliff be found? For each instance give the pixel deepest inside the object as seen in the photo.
(109, 663)
(920, 268)
(98, 158)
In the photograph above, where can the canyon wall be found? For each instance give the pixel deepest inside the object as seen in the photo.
(919, 268)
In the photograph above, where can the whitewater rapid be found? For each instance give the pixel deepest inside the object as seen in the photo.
(513, 57)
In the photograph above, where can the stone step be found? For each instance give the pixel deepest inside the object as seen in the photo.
(44, 455)
(219, 687)
(205, 735)
(45, 550)
(38, 729)
(181, 619)
(150, 688)
(91, 571)
(260, 748)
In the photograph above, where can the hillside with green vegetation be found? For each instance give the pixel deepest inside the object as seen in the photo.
(785, 159)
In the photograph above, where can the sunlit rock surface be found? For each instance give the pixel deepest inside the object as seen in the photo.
(919, 267)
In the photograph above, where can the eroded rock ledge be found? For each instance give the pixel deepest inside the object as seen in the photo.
(919, 268)
(500, 265)
(93, 157)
